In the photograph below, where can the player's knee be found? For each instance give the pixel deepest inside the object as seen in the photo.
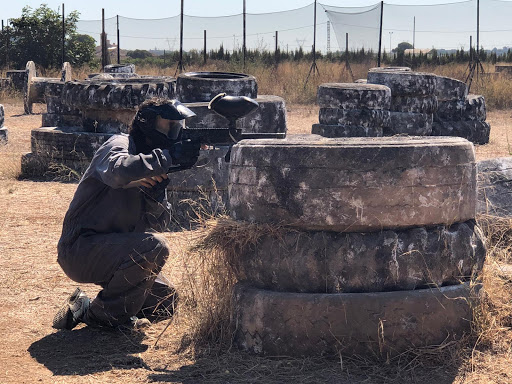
(161, 248)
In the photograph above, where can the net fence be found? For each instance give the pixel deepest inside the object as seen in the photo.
(440, 26)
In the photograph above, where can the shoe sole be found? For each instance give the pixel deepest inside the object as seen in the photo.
(64, 317)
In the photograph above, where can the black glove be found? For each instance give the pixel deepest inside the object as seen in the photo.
(185, 152)
(157, 192)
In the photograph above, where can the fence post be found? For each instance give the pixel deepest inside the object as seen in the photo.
(314, 67)
(244, 35)
(7, 45)
(204, 49)
(276, 51)
(63, 34)
(380, 32)
(314, 38)
(478, 29)
(470, 50)
(413, 35)
(118, 43)
(103, 40)
(180, 62)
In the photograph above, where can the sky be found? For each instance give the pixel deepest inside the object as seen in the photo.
(153, 9)
(448, 26)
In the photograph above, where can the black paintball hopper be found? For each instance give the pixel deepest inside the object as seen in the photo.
(231, 108)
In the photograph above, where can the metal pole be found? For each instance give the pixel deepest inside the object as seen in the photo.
(118, 43)
(328, 36)
(103, 39)
(470, 50)
(180, 64)
(63, 33)
(8, 38)
(478, 28)
(347, 62)
(204, 49)
(314, 67)
(244, 48)
(414, 36)
(346, 46)
(275, 54)
(314, 39)
(380, 33)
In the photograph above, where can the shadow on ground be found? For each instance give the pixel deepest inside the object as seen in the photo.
(241, 368)
(86, 350)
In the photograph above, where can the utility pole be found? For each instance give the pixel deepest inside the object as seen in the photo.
(328, 36)
(413, 35)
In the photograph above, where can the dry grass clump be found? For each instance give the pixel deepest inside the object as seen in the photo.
(211, 272)
(288, 79)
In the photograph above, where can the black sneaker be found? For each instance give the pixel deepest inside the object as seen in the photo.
(72, 311)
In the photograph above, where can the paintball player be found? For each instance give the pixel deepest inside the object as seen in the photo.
(109, 232)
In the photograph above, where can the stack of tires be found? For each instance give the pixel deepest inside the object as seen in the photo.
(376, 261)
(495, 188)
(86, 114)
(352, 110)
(460, 114)
(120, 71)
(110, 106)
(58, 114)
(413, 100)
(203, 190)
(4, 133)
(35, 87)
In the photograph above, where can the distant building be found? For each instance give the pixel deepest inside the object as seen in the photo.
(428, 52)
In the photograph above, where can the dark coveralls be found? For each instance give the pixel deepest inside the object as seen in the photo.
(108, 232)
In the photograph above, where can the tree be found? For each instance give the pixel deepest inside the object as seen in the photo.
(139, 54)
(80, 49)
(37, 36)
(400, 48)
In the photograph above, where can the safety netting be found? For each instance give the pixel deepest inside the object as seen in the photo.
(440, 26)
(355, 28)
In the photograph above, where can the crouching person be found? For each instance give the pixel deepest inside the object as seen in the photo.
(109, 235)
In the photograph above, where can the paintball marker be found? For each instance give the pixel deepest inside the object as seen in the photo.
(232, 108)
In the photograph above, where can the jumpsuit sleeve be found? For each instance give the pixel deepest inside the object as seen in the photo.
(116, 167)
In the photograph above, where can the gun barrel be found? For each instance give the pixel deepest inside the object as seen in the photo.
(223, 136)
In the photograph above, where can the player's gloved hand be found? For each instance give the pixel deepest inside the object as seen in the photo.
(155, 186)
(185, 152)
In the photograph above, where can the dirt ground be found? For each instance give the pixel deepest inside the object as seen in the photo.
(32, 288)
